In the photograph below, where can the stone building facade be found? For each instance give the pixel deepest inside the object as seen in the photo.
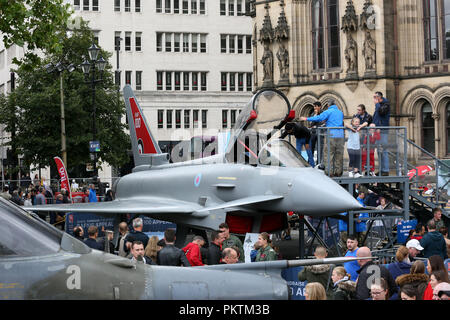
(347, 50)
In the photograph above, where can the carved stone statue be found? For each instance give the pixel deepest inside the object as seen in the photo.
(351, 54)
(283, 61)
(267, 62)
(369, 51)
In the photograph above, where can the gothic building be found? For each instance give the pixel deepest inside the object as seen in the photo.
(347, 50)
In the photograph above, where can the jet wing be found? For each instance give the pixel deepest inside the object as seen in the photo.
(242, 202)
(149, 205)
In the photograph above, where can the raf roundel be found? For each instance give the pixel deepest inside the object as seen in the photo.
(198, 179)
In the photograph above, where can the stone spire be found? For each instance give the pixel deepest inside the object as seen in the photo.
(282, 29)
(350, 19)
(266, 32)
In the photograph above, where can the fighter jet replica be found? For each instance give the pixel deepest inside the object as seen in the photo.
(38, 261)
(251, 186)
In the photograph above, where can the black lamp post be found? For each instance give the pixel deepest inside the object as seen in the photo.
(89, 68)
(59, 68)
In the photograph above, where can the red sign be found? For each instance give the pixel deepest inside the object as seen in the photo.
(63, 174)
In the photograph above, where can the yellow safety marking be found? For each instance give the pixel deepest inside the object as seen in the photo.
(227, 178)
(11, 286)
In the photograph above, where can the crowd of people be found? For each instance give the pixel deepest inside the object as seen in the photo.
(360, 143)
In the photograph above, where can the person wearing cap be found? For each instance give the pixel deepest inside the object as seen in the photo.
(333, 117)
(302, 136)
(414, 249)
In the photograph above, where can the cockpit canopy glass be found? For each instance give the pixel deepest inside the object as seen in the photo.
(280, 153)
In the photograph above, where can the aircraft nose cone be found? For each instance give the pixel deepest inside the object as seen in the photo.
(318, 194)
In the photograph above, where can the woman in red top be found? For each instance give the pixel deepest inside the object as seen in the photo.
(434, 263)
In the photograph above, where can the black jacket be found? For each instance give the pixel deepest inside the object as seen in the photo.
(148, 260)
(137, 236)
(214, 254)
(300, 132)
(172, 256)
(363, 288)
(92, 243)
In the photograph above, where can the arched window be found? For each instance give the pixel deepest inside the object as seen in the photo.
(427, 127)
(448, 128)
(325, 34)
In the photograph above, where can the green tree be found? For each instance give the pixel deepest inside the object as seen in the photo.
(33, 110)
(36, 23)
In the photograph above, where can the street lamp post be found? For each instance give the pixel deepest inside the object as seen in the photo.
(59, 68)
(89, 68)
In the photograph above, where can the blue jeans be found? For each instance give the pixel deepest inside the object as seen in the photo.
(300, 143)
(382, 149)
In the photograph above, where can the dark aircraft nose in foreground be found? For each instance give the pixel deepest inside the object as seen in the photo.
(318, 194)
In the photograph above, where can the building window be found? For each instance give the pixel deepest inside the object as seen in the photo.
(223, 6)
(96, 33)
(128, 77)
(249, 81)
(446, 28)
(223, 77)
(127, 5)
(127, 41)
(176, 6)
(158, 6)
(168, 80)
(187, 114)
(185, 42)
(177, 119)
(430, 23)
(204, 119)
(177, 80)
(223, 43)
(317, 35)
(233, 118)
(195, 118)
(169, 119)
(231, 7)
(176, 42)
(194, 42)
(138, 80)
(203, 81)
(137, 6)
(160, 119)
(202, 7)
(117, 40)
(248, 44)
(195, 81)
(186, 81)
(76, 6)
(240, 82)
(167, 7)
(334, 57)
(185, 6)
(203, 43)
(94, 5)
(193, 6)
(231, 43)
(168, 42)
(159, 41)
(224, 119)
(116, 5)
(427, 128)
(240, 44)
(232, 81)
(138, 41)
(159, 80)
(448, 128)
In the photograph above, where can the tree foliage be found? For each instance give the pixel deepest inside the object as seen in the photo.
(35, 24)
(33, 110)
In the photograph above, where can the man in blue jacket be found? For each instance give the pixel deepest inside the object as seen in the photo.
(381, 118)
(361, 227)
(333, 117)
(433, 242)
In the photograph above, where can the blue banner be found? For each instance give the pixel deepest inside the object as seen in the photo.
(403, 229)
(326, 231)
(85, 220)
(297, 287)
